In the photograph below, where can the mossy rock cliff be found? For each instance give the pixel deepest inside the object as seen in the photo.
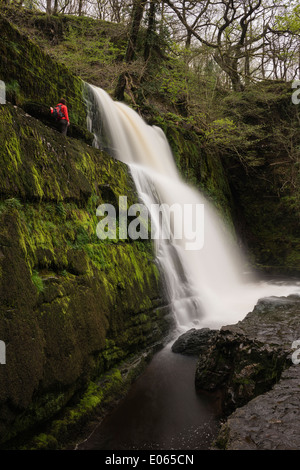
(263, 169)
(71, 306)
(31, 75)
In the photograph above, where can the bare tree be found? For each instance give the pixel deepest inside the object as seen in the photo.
(231, 28)
(137, 15)
(150, 29)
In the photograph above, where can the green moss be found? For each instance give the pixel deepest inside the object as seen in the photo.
(37, 281)
(36, 178)
(76, 304)
(39, 78)
(97, 398)
(89, 48)
(223, 438)
(12, 148)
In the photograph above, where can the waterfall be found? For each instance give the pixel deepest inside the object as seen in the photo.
(205, 286)
(2, 92)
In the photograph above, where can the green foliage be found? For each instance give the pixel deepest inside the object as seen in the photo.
(30, 74)
(45, 441)
(173, 82)
(87, 47)
(37, 281)
(290, 20)
(13, 203)
(220, 131)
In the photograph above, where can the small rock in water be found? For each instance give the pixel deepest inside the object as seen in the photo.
(194, 341)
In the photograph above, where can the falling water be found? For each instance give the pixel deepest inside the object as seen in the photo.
(2, 92)
(205, 286)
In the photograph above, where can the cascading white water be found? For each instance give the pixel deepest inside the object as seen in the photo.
(206, 287)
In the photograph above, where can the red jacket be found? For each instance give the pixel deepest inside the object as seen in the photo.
(64, 110)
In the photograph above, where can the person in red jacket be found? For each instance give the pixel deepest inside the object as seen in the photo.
(60, 112)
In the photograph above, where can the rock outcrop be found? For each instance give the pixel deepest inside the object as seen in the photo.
(30, 75)
(194, 341)
(250, 365)
(72, 306)
(269, 421)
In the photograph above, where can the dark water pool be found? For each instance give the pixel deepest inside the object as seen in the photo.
(161, 411)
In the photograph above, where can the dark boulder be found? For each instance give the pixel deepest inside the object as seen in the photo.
(194, 341)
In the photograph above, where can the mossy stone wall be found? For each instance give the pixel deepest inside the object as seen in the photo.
(71, 306)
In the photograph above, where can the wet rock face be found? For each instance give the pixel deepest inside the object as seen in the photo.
(194, 342)
(31, 75)
(269, 421)
(71, 306)
(244, 362)
(42, 113)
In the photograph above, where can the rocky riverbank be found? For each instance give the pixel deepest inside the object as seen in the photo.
(251, 366)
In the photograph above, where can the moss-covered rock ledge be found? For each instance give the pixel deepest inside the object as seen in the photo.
(72, 307)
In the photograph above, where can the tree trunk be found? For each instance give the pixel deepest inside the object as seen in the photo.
(120, 88)
(230, 66)
(48, 8)
(263, 60)
(162, 20)
(80, 7)
(247, 68)
(150, 30)
(236, 82)
(137, 15)
(188, 39)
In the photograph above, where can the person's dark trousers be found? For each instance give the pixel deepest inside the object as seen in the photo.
(63, 126)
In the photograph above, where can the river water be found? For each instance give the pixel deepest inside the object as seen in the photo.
(161, 411)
